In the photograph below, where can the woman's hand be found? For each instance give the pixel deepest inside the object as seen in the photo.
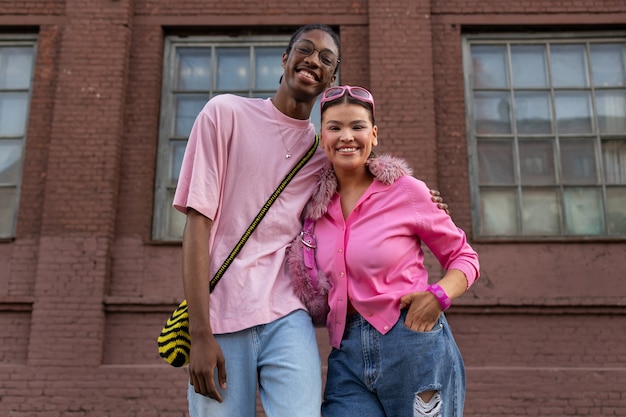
(424, 310)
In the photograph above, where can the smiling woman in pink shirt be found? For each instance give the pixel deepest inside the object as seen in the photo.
(393, 352)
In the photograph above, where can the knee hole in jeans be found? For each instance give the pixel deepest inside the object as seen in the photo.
(427, 404)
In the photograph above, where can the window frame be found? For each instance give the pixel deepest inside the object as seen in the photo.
(544, 38)
(19, 40)
(162, 186)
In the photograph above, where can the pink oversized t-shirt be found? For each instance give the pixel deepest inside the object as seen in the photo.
(234, 160)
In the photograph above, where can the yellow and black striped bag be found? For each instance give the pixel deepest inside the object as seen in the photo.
(174, 341)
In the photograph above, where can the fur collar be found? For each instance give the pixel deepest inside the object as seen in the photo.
(385, 168)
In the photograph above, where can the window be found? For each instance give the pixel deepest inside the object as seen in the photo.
(547, 135)
(16, 69)
(196, 69)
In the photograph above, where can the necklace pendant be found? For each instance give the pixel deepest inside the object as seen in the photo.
(288, 155)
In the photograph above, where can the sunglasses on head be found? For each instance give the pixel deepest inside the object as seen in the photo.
(358, 93)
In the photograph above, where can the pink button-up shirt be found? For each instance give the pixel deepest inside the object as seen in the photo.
(374, 257)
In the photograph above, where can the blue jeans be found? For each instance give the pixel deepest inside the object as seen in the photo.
(380, 375)
(282, 357)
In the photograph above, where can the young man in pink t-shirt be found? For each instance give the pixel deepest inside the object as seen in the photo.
(252, 328)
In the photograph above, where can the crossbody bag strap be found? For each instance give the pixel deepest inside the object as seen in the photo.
(309, 243)
(229, 259)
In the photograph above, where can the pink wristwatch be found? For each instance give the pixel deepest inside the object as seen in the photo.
(440, 294)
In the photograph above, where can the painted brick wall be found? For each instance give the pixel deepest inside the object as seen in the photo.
(402, 73)
(84, 291)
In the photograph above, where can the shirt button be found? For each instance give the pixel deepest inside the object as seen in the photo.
(342, 274)
(340, 251)
(386, 327)
(370, 314)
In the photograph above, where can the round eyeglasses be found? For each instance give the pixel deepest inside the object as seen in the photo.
(305, 48)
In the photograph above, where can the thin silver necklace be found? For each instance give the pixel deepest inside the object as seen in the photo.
(282, 133)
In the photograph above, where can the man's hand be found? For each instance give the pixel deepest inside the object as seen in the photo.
(205, 356)
(436, 197)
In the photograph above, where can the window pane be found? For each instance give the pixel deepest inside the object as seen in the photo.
(560, 184)
(15, 67)
(537, 162)
(193, 68)
(266, 94)
(175, 219)
(611, 108)
(495, 162)
(584, 211)
(316, 117)
(10, 161)
(498, 212)
(568, 65)
(541, 213)
(489, 66)
(528, 66)
(573, 112)
(177, 151)
(532, 113)
(491, 114)
(13, 109)
(8, 208)
(578, 161)
(198, 68)
(616, 205)
(268, 68)
(233, 69)
(614, 159)
(187, 107)
(607, 64)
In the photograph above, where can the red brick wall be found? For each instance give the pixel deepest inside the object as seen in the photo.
(84, 292)
(542, 362)
(402, 82)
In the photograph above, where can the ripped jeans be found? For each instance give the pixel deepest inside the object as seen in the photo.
(378, 375)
